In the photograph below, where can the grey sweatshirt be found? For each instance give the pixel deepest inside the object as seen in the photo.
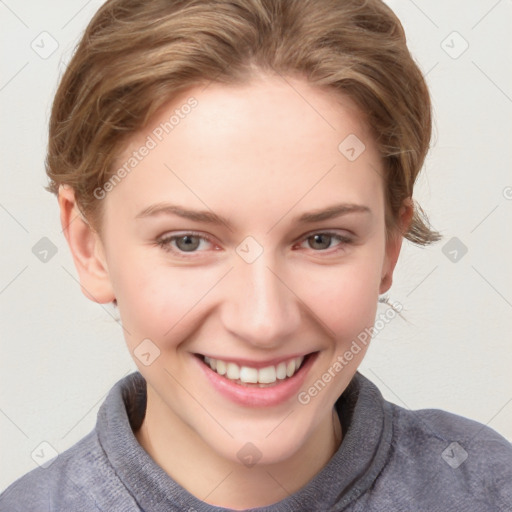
(390, 460)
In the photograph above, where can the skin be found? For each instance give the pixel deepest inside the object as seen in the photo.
(259, 154)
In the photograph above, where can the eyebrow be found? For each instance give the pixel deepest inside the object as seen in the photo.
(207, 216)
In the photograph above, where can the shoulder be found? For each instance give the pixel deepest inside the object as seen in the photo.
(42, 486)
(441, 452)
(431, 458)
(436, 427)
(84, 478)
(79, 479)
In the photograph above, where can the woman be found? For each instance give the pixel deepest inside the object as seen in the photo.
(237, 177)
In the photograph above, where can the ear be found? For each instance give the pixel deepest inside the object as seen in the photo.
(86, 248)
(394, 244)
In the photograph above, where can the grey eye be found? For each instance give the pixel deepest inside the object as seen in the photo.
(187, 243)
(320, 241)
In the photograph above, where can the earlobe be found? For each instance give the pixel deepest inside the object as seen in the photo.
(392, 252)
(394, 245)
(86, 248)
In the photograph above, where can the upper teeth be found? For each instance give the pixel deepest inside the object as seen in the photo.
(246, 374)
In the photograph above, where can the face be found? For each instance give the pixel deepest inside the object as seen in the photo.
(246, 241)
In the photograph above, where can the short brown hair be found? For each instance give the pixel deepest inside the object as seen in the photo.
(135, 56)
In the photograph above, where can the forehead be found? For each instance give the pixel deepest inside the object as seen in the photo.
(270, 143)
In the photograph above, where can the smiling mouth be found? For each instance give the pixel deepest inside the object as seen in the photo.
(249, 376)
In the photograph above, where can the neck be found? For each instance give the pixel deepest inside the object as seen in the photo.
(194, 465)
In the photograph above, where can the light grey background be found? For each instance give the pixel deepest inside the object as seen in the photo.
(60, 353)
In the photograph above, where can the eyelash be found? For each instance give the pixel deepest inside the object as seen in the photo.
(165, 241)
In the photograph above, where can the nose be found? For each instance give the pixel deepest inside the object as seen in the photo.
(259, 306)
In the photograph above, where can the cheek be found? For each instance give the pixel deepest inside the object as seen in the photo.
(349, 311)
(344, 297)
(159, 302)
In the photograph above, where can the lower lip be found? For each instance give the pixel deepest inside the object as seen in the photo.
(253, 396)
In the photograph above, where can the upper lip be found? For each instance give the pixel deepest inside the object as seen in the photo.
(256, 364)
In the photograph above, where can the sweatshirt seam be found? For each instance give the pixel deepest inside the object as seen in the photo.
(365, 482)
(112, 466)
